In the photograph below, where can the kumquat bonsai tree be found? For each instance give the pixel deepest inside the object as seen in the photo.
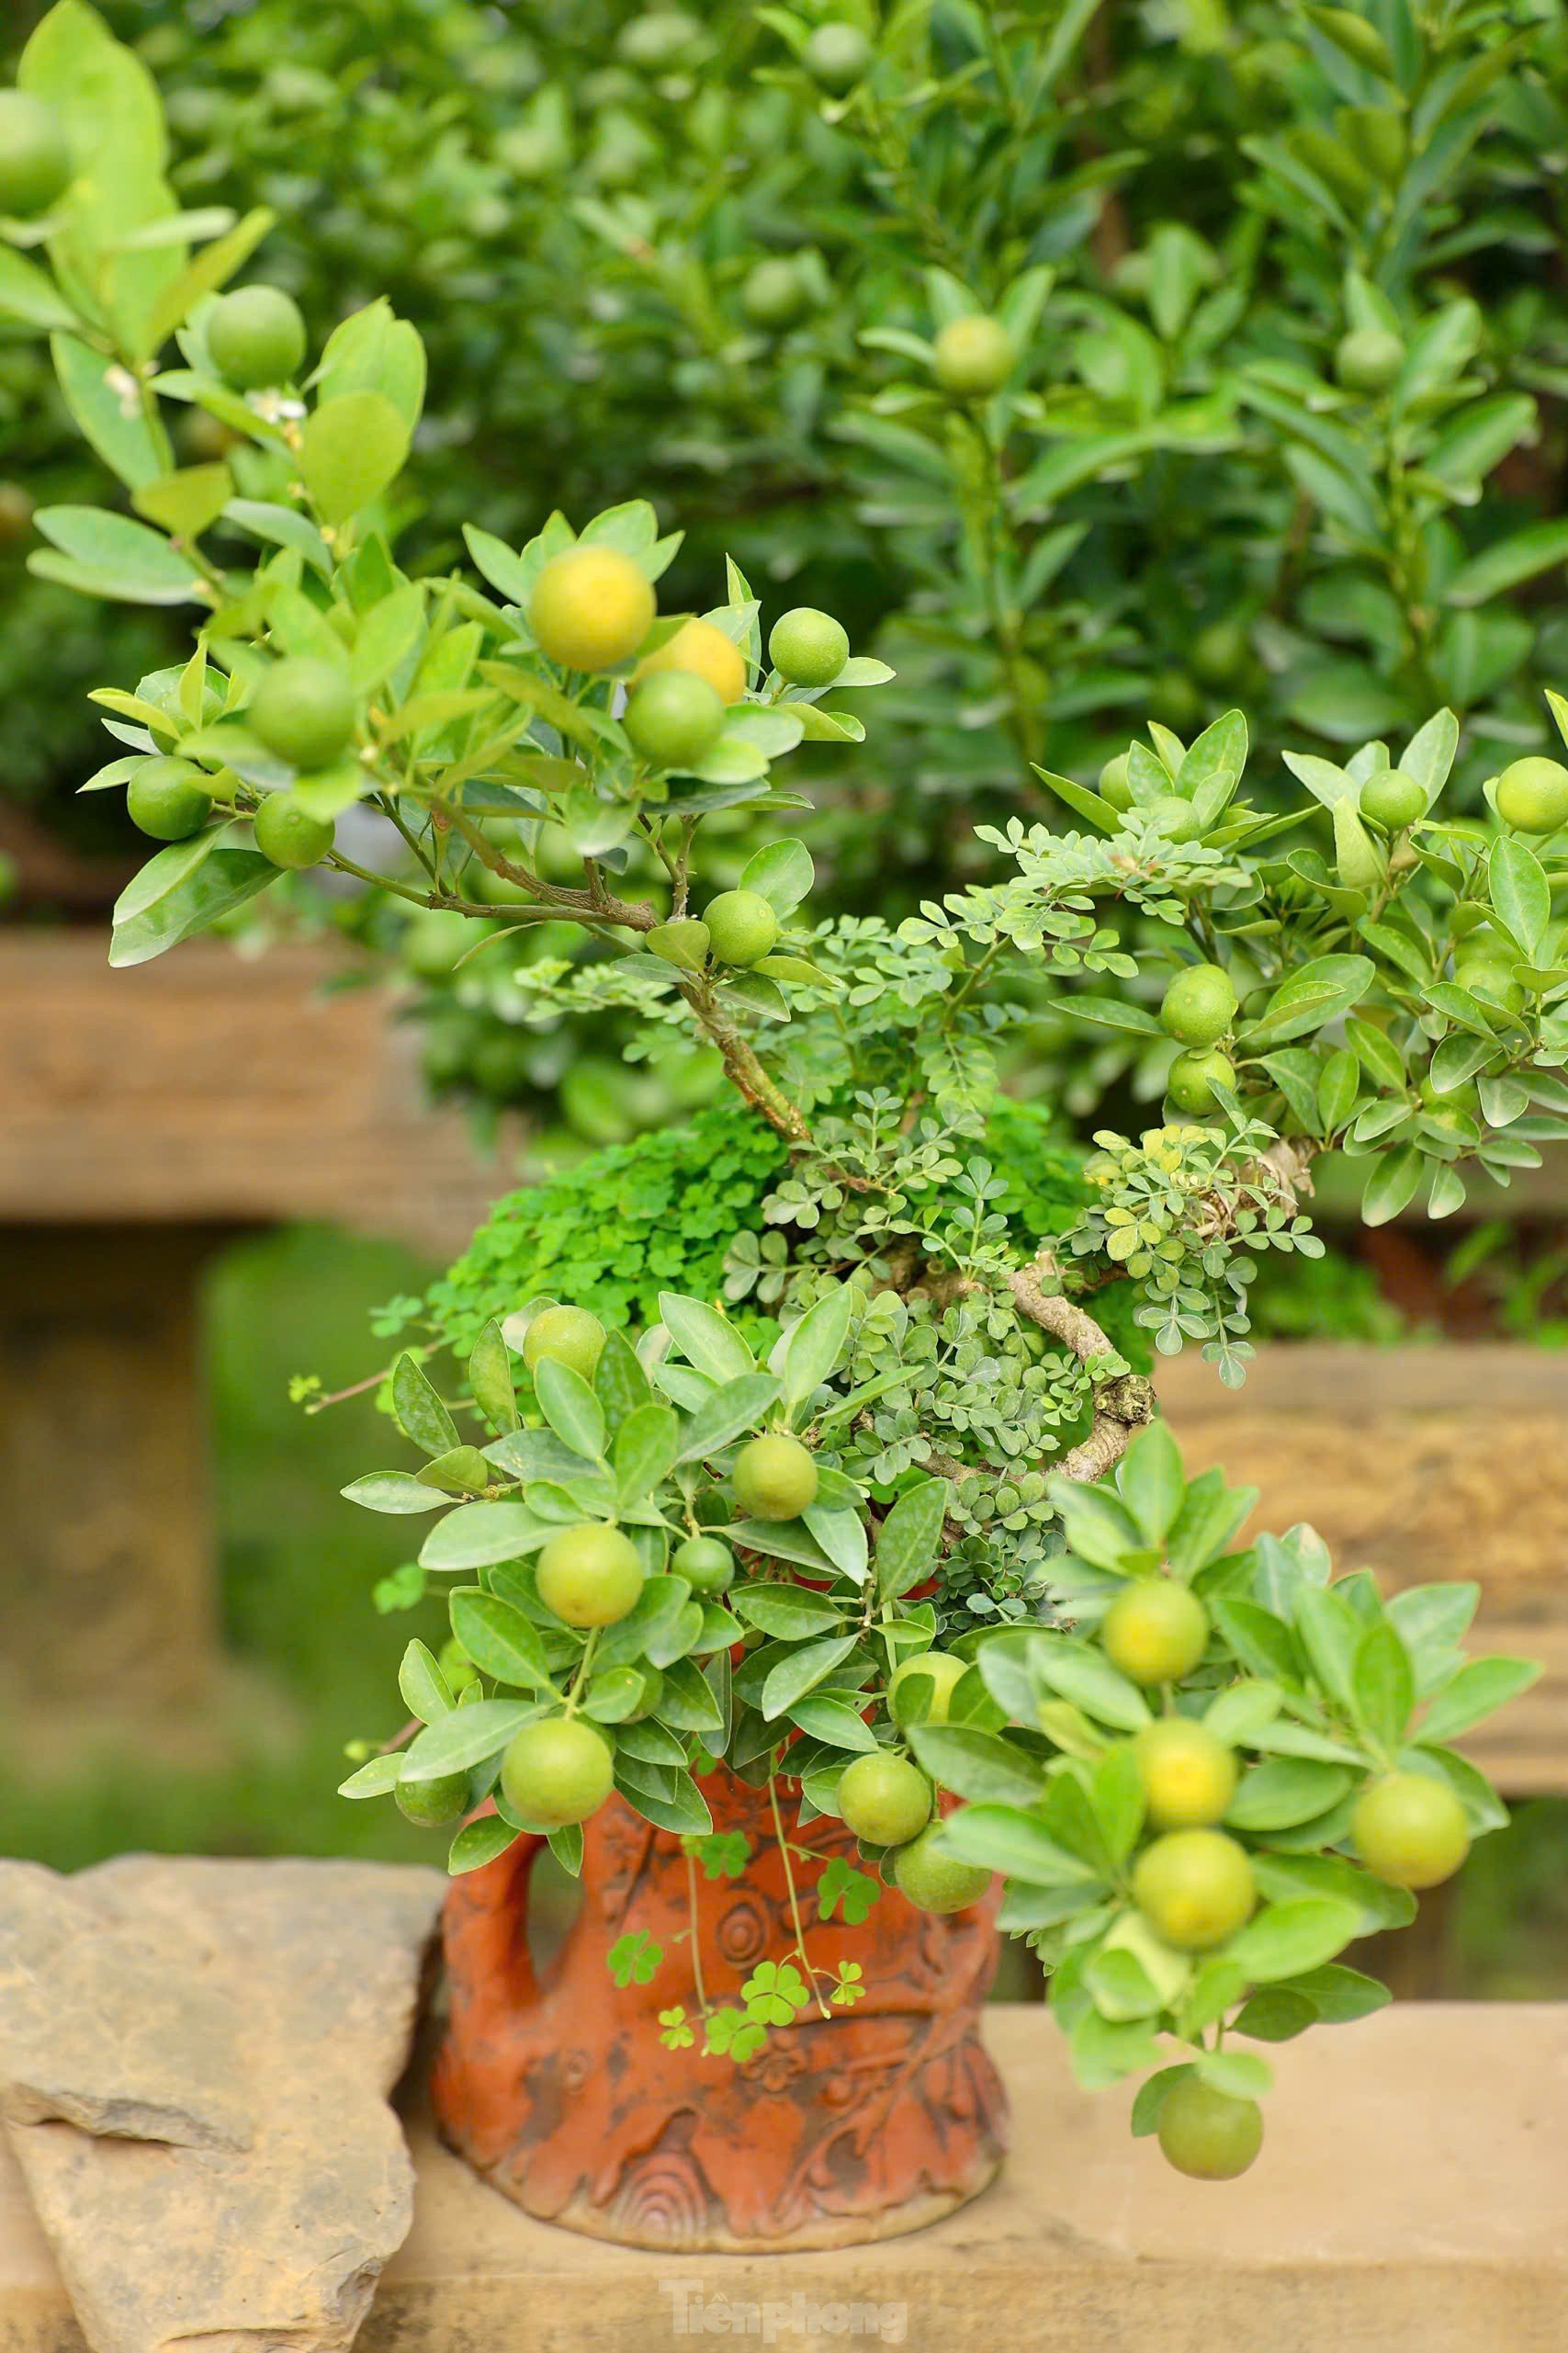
(810, 1449)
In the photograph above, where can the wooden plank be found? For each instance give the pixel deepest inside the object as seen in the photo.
(1418, 1463)
(1409, 2194)
(210, 1087)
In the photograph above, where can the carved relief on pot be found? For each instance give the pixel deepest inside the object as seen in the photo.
(872, 2121)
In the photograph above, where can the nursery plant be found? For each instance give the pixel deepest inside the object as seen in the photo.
(803, 1466)
(743, 261)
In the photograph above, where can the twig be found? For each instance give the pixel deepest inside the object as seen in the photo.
(696, 1942)
(355, 1389)
(806, 1961)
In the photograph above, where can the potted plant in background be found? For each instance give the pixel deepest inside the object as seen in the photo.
(856, 1573)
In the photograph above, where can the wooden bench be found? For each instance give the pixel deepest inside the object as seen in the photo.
(1418, 1463)
(1409, 2195)
(149, 1116)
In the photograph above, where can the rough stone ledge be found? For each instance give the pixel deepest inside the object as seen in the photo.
(1410, 2197)
(196, 2063)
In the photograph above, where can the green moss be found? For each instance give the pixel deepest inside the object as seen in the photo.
(611, 1233)
(659, 1214)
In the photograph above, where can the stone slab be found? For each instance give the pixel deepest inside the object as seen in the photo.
(196, 2064)
(1410, 2200)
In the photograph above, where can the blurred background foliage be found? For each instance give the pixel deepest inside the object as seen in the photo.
(701, 256)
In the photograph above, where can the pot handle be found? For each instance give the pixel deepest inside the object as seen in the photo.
(485, 1927)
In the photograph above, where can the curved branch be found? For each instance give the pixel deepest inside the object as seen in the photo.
(1121, 1408)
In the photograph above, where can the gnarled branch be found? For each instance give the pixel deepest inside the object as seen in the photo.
(1121, 1407)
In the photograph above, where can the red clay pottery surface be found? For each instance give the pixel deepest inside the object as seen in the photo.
(556, 2086)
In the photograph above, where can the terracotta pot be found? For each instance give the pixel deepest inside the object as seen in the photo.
(878, 2120)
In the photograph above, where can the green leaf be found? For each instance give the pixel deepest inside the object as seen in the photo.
(571, 1407)
(1284, 1792)
(349, 451)
(480, 1842)
(1083, 803)
(787, 1612)
(620, 1691)
(1337, 1087)
(1243, 1711)
(1478, 1688)
(425, 1691)
(28, 295)
(1355, 34)
(469, 1736)
(1121, 1985)
(489, 1379)
(480, 1535)
(1211, 1515)
(1151, 2099)
(374, 351)
(1099, 1529)
(387, 633)
(184, 889)
(1285, 1939)
(619, 1381)
(1429, 754)
(826, 1717)
(1330, 1631)
(1087, 1676)
(1240, 2073)
(782, 872)
(1384, 1686)
(1285, 1739)
(1507, 563)
(1102, 2050)
(499, 1638)
(1319, 992)
(801, 1671)
(1519, 890)
(392, 1491)
(1211, 771)
(1378, 1057)
(1116, 1793)
(185, 502)
(1007, 1838)
(418, 1411)
(979, 1766)
(738, 1406)
(907, 1538)
(1261, 1640)
(1339, 1995)
(1376, 1904)
(644, 1451)
(1483, 1809)
(1112, 1013)
(813, 1346)
(462, 1470)
(1277, 2014)
(1151, 1483)
(117, 428)
(707, 1339)
(669, 1800)
(1391, 1185)
(377, 1778)
(1431, 1621)
(842, 1536)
